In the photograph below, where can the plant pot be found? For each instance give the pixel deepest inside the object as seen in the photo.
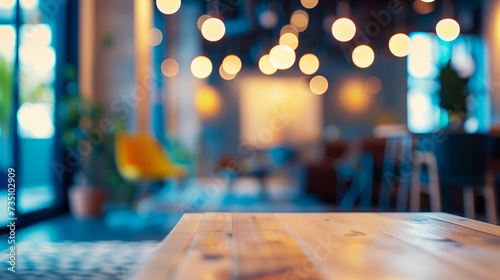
(86, 202)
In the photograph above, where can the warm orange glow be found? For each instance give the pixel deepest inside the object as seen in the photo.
(155, 37)
(289, 39)
(353, 96)
(309, 64)
(309, 4)
(318, 85)
(225, 75)
(201, 67)
(168, 7)
(213, 29)
(300, 19)
(448, 29)
(373, 85)
(289, 29)
(363, 56)
(265, 65)
(231, 64)
(422, 7)
(275, 111)
(201, 20)
(282, 57)
(399, 45)
(343, 29)
(169, 67)
(207, 101)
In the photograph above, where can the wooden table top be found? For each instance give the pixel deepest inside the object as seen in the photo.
(297, 246)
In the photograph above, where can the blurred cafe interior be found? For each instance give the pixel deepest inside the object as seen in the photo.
(119, 116)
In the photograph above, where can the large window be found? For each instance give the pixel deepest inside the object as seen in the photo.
(465, 62)
(30, 42)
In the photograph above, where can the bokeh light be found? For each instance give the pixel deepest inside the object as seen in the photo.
(265, 65)
(155, 37)
(373, 85)
(231, 64)
(363, 56)
(28, 4)
(169, 67)
(282, 57)
(225, 75)
(448, 29)
(422, 7)
(289, 29)
(268, 19)
(343, 29)
(399, 45)
(318, 85)
(309, 4)
(168, 7)
(289, 39)
(300, 19)
(207, 101)
(353, 96)
(201, 20)
(309, 64)
(201, 67)
(213, 29)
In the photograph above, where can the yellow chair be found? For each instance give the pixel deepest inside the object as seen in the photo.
(140, 157)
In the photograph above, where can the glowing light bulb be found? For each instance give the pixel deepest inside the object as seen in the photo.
(155, 37)
(309, 4)
(318, 85)
(207, 101)
(168, 7)
(353, 96)
(343, 29)
(289, 39)
(282, 57)
(448, 29)
(300, 19)
(265, 65)
(201, 67)
(231, 64)
(201, 20)
(399, 44)
(226, 76)
(373, 85)
(213, 29)
(363, 56)
(169, 67)
(309, 64)
(289, 29)
(268, 19)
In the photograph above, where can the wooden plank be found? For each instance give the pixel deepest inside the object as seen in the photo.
(466, 259)
(209, 256)
(484, 227)
(265, 250)
(456, 232)
(172, 249)
(342, 249)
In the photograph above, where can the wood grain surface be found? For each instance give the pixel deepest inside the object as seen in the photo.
(297, 246)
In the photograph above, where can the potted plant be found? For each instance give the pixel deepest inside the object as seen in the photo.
(86, 196)
(453, 96)
(95, 179)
